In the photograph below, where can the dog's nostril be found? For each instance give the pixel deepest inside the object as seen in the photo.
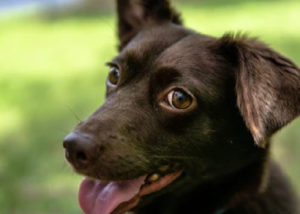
(65, 144)
(80, 150)
(81, 156)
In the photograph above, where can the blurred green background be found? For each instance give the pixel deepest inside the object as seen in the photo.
(52, 75)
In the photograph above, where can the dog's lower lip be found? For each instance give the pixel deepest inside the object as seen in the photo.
(147, 189)
(161, 181)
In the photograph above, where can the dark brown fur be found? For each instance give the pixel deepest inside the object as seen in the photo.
(245, 91)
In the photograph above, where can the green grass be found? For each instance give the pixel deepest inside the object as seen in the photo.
(52, 74)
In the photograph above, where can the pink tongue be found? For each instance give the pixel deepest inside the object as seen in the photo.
(96, 197)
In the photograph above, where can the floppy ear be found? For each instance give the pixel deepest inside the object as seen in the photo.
(135, 14)
(267, 86)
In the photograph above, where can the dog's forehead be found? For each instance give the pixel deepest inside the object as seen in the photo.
(153, 40)
(170, 45)
(194, 60)
(188, 53)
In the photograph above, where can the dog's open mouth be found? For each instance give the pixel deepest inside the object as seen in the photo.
(98, 197)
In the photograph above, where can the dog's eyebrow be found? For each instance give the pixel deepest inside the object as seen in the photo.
(136, 53)
(129, 58)
(165, 76)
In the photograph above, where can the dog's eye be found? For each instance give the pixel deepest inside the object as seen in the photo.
(179, 99)
(113, 75)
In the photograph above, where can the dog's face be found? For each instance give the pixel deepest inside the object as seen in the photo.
(181, 108)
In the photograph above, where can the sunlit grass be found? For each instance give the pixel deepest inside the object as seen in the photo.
(268, 18)
(52, 74)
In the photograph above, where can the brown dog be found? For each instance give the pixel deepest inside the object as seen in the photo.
(186, 122)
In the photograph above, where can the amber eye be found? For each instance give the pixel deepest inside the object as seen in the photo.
(179, 99)
(113, 75)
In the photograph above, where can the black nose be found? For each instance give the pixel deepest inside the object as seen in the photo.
(80, 150)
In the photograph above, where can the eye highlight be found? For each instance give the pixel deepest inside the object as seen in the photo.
(113, 75)
(178, 99)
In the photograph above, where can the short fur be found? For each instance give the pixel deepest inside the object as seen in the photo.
(245, 92)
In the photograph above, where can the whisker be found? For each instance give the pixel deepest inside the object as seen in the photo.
(74, 113)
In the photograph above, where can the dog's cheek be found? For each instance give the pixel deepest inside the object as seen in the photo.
(126, 151)
(180, 142)
(120, 160)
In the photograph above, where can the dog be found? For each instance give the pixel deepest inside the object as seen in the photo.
(187, 122)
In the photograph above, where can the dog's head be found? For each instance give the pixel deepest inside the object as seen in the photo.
(181, 108)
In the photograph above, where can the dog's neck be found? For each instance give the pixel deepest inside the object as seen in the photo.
(224, 193)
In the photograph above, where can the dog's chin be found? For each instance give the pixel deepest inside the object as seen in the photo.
(103, 197)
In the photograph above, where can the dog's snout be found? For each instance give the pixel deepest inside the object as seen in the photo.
(80, 150)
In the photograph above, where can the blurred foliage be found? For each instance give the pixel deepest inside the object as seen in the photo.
(52, 75)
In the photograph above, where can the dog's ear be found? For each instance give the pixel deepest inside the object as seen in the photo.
(135, 14)
(267, 85)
